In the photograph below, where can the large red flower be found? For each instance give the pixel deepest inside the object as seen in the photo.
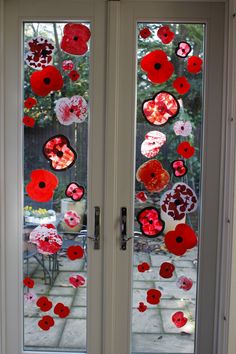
(142, 307)
(45, 81)
(185, 150)
(157, 66)
(178, 319)
(75, 38)
(44, 304)
(181, 85)
(154, 177)
(41, 186)
(153, 296)
(194, 65)
(166, 270)
(165, 34)
(75, 252)
(150, 222)
(46, 323)
(180, 240)
(61, 310)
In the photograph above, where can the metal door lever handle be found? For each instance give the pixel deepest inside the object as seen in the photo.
(123, 229)
(96, 237)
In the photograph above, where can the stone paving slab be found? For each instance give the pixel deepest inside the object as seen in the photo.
(143, 284)
(78, 312)
(147, 322)
(62, 290)
(63, 278)
(68, 265)
(158, 259)
(170, 290)
(188, 272)
(74, 334)
(140, 258)
(80, 298)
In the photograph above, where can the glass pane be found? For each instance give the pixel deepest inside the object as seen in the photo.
(169, 123)
(56, 96)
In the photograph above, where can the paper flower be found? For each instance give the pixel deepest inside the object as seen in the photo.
(46, 239)
(165, 34)
(150, 222)
(40, 54)
(69, 110)
(181, 85)
(194, 65)
(143, 267)
(30, 102)
(153, 296)
(183, 49)
(166, 270)
(46, 323)
(183, 128)
(180, 240)
(141, 197)
(179, 168)
(75, 38)
(30, 297)
(152, 143)
(75, 252)
(61, 310)
(185, 283)
(76, 281)
(67, 65)
(142, 307)
(71, 218)
(145, 32)
(28, 121)
(74, 75)
(74, 191)
(179, 319)
(42, 185)
(44, 304)
(45, 81)
(28, 282)
(185, 150)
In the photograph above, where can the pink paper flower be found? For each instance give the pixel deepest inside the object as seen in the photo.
(71, 218)
(69, 110)
(183, 49)
(184, 283)
(30, 297)
(74, 191)
(152, 143)
(77, 281)
(46, 239)
(182, 128)
(141, 197)
(67, 65)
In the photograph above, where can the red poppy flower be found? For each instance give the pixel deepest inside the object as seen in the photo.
(76, 281)
(145, 33)
(46, 80)
(178, 319)
(67, 65)
(185, 150)
(142, 197)
(59, 152)
(180, 240)
(194, 65)
(74, 75)
(75, 38)
(142, 307)
(75, 252)
(74, 191)
(46, 323)
(28, 282)
(154, 177)
(30, 102)
(179, 168)
(157, 66)
(150, 222)
(41, 186)
(61, 310)
(185, 283)
(44, 304)
(181, 85)
(28, 121)
(143, 267)
(166, 270)
(165, 34)
(153, 296)
(161, 108)
(183, 49)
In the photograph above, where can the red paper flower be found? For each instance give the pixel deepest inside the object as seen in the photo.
(28, 121)
(194, 65)
(185, 283)
(145, 32)
(166, 270)
(71, 218)
(44, 304)
(150, 222)
(75, 252)
(180, 240)
(76, 281)
(46, 323)
(185, 150)
(41, 186)
(181, 85)
(30, 102)
(154, 177)
(28, 282)
(183, 49)
(161, 108)
(67, 65)
(46, 238)
(143, 267)
(74, 75)
(141, 196)
(165, 34)
(142, 307)
(59, 152)
(74, 191)
(75, 38)
(179, 168)
(179, 320)
(157, 66)
(45, 81)
(153, 296)
(61, 310)
(69, 110)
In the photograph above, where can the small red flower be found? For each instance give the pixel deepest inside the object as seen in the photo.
(75, 252)
(30, 102)
(46, 80)
(67, 65)
(44, 304)
(28, 282)
(74, 75)
(28, 121)
(179, 168)
(166, 270)
(181, 85)
(153, 296)
(141, 196)
(165, 34)
(76, 281)
(46, 323)
(143, 267)
(142, 307)
(75, 38)
(150, 222)
(185, 150)
(41, 186)
(180, 240)
(157, 66)
(145, 32)
(178, 319)
(185, 283)
(154, 177)
(194, 65)
(61, 310)
(74, 191)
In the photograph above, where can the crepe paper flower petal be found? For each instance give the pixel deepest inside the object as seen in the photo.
(145, 32)
(45, 81)
(185, 150)
(40, 54)
(151, 224)
(153, 296)
(141, 197)
(152, 143)
(165, 34)
(76, 281)
(180, 240)
(183, 128)
(71, 218)
(28, 121)
(61, 310)
(194, 65)
(44, 304)
(142, 307)
(179, 168)
(157, 66)
(74, 75)
(30, 102)
(75, 252)
(179, 201)
(69, 110)
(74, 191)
(67, 65)
(143, 267)
(181, 85)
(28, 282)
(75, 38)
(154, 177)
(46, 323)
(166, 270)
(161, 108)
(178, 319)
(46, 238)
(59, 152)
(183, 49)
(184, 283)
(42, 185)
(30, 297)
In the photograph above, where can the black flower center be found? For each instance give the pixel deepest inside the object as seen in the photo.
(71, 219)
(153, 174)
(76, 38)
(42, 184)
(46, 239)
(71, 110)
(179, 239)
(194, 64)
(44, 52)
(157, 66)
(186, 149)
(177, 202)
(47, 80)
(181, 85)
(165, 35)
(182, 128)
(59, 153)
(150, 222)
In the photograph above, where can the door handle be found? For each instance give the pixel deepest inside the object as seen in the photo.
(96, 237)
(123, 229)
